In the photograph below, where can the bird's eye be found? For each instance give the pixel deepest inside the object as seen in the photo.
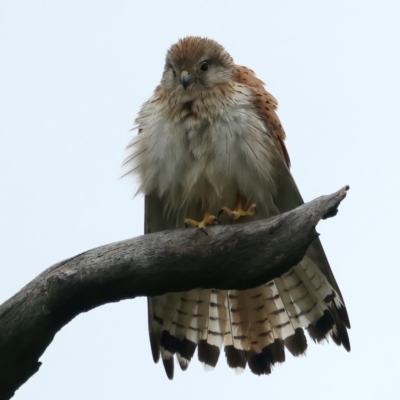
(204, 66)
(172, 69)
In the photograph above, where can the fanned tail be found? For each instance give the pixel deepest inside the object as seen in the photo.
(218, 328)
(253, 325)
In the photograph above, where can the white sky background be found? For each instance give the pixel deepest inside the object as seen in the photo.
(73, 76)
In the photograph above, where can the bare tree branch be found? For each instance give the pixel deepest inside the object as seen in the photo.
(239, 256)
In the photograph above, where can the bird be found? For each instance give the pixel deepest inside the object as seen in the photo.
(210, 149)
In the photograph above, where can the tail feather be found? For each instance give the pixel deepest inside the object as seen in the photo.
(160, 310)
(319, 281)
(276, 351)
(186, 326)
(258, 363)
(198, 325)
(279, 317)
(165, 308)
(339, 334)
(260, 332)
(319, 326)
(235, 358)
(154, 329)
(208, 353)
(239, 319)
(218, 318)
(296, 343)
(287, 303)
(185, 352)
(169, 366)
(311, 288)
(253, 325)
(183, 313)
(305, 307)
(217, 328)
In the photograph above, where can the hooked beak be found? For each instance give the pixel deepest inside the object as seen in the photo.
(186, 78)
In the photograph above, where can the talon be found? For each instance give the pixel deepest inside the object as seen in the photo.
(208, 219)
(204, 230)
(238, 211)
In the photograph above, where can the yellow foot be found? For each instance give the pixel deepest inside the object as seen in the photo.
(207, 220)
(238, 211)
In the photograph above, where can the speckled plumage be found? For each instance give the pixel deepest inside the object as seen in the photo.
(199, 147)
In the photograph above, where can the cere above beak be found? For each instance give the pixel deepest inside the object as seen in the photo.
(186, 79)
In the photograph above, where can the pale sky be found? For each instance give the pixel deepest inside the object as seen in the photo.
(73, 76)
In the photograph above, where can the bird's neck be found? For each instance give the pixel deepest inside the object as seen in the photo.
(196, 104)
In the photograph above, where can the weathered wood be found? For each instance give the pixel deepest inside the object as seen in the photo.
(237, 256)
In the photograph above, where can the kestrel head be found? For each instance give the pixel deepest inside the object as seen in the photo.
(196, 63)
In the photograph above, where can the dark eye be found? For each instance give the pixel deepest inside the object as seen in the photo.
(173, 71)
(204, 66)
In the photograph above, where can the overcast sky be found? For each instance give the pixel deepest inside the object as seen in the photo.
(73, 76)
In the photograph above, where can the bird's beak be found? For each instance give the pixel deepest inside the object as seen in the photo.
(186, 78)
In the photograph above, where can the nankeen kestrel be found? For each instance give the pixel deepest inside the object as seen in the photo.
(210, 148)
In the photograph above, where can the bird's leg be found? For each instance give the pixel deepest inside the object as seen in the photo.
(238, 211)
(208, 219)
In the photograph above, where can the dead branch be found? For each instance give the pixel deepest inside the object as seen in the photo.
(239, 256)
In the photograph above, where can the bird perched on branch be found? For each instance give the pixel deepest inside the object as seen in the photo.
(210, 148)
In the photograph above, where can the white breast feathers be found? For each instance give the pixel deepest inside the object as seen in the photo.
(185, 158)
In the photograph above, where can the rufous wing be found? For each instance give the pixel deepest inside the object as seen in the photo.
(266, 105)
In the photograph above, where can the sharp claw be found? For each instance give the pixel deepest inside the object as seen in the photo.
(207, 220)
(219, 213)
(204, 230)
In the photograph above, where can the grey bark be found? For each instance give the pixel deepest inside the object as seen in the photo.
(239, 256)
